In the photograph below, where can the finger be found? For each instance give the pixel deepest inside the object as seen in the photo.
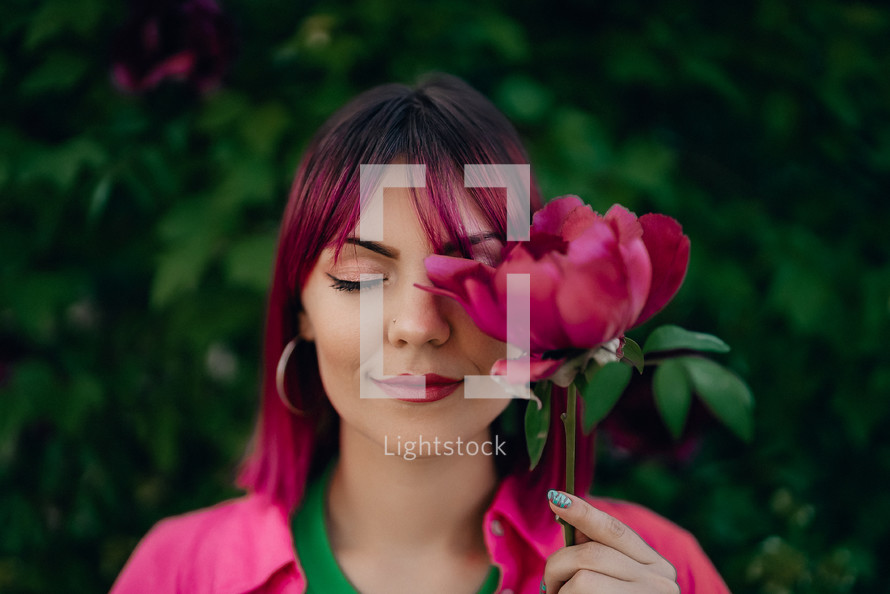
(602, 527)
(562, 501)
(585, 582)
(593, 556)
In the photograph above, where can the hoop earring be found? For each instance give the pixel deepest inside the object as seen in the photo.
(280, 373)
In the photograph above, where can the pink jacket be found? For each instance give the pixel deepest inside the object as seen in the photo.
(245, 545)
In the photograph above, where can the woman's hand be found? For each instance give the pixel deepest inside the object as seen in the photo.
(608, 558)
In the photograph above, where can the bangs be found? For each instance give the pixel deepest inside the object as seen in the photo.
(442, 205)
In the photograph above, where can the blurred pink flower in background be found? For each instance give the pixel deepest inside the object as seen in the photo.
(592, 277)
(635, 428)
(191, 41)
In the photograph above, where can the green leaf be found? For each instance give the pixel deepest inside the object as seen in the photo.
(523, 98)
(59, 72)
(249, 261)
(672, 395)
(56, 17)
(710, 74)
(99, 198)
(264, 126)
(222, 109)
(179, 270)
(723, 392)
(61, 165)
(84, 395)
(247, 181)
(633, 353)
(38, 297)
(669, 338)
(30, 394)
(602, 392)
(580, 380)
(587, 375)
(537, 423)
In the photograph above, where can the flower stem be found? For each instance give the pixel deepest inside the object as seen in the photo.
(568, 421)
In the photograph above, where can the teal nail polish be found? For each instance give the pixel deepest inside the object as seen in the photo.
(543, 587)
(558, 498)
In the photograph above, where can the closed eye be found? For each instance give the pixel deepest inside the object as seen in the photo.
(352, 286)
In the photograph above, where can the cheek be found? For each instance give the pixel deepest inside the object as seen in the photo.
(337, 347)
(333, 360)
(483, 349)
(490, 350)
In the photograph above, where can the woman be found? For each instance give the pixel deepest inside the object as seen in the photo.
(349, 493)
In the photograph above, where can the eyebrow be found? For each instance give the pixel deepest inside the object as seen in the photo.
(390, 252)
(374, 246)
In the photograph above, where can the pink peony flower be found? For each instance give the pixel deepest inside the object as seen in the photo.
(185, 40)
(592, 277)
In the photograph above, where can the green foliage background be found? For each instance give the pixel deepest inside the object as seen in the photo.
(136, 236)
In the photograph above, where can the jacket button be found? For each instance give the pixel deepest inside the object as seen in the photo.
(497, 529)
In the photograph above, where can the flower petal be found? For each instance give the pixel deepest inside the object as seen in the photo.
(540, 369)
(596, 302)
(470, 282)
(625, 223)
(566, 217)
(669, 253)
(546, 282)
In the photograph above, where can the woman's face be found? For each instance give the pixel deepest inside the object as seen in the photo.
(422, 334)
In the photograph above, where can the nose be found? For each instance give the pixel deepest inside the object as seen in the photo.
(418, 317)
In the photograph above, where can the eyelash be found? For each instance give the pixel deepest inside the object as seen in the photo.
(353, 286)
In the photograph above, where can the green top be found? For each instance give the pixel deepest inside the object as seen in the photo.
(323, 575)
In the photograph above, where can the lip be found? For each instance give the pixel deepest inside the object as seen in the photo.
(406, 387)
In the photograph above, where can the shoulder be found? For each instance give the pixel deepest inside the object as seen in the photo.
(695, 572)
(228, 548)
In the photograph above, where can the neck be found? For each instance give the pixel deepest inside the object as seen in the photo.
(431, 504)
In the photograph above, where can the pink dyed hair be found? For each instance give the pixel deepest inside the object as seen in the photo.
(444, 124)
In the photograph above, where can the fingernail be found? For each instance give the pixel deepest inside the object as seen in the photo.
(558, 498)
(543, 587)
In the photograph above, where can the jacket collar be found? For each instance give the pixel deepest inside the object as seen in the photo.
(265, 542)
(539, 531)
